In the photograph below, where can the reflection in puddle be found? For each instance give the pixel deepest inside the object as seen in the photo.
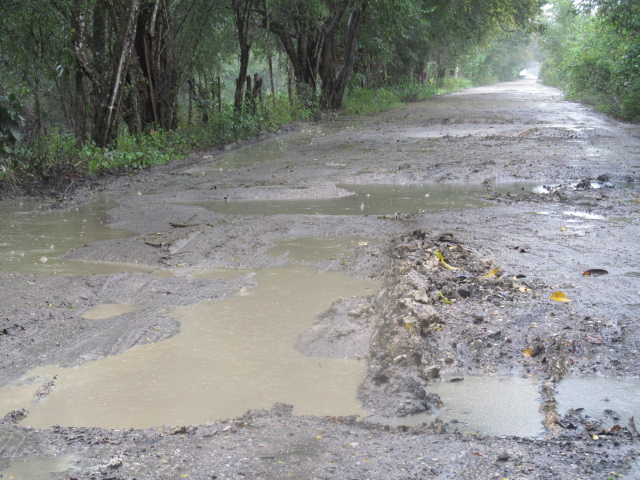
(487, 405)
(38, 467)
(230, 356)
(585, 215)
(311, 249)
(597, 395)
(366, 200)
(33, 241)
(108, 310)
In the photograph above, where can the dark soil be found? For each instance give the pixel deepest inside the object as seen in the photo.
(485, 308)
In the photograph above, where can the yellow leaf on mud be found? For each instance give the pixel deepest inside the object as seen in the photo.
(528, 353)
(439, 255)
(362, 244)
(492, 273)
(443, 297)
(409, 327)
(319, 437)
(563, 229)
(559, 297)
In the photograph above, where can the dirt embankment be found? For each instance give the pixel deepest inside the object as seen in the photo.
(464, 292)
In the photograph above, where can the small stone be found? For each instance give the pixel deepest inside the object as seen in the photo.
(115, 462)
(464, 291)
(503, 457)
(399, 358)
(431, 372)
(449, 360)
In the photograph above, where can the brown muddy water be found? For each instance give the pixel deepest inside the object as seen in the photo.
(229, 357)
(33, 240)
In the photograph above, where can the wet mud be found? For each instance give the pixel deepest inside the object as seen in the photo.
(467, 302)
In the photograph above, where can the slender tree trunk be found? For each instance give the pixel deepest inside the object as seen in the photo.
(108, 112)
(242, 75)
(79, 106)
(156, 77)
(242, 13)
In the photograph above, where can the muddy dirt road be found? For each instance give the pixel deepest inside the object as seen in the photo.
(399, 272)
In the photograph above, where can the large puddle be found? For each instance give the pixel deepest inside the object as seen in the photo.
(611, 400)
(500, 405)
(230, 356)
(507, 405)
(364, 200)
(38, 467)
(33, 241)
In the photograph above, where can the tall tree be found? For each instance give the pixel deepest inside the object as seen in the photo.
(320, 38)
(108, 82)
(242, 11)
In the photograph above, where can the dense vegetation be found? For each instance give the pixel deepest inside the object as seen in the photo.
(95, 86)
(592, 51)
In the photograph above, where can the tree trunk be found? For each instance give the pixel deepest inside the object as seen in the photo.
(156, 76)
(335, 78)
(79, 106)
(242, 13)
(108, 112)
(242, 75)
(314, 52)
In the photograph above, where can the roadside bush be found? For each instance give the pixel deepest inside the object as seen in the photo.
(595, 59)
(11, 120)
(363, 101)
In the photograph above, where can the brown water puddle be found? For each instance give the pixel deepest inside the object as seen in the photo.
(230, 356)
(33, 241)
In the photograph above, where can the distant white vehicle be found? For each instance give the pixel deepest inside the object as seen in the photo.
(531, 72)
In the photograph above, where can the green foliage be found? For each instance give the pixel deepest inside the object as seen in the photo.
(595, 58)
(363, 101)
(11, 120)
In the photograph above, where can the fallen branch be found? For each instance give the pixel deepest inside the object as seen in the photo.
(185, 224)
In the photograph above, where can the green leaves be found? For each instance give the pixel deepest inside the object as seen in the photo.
(11, 120)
